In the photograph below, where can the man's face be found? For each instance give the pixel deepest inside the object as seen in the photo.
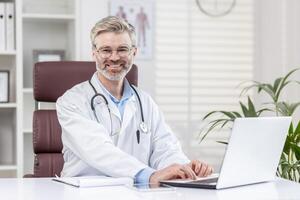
(113, 54)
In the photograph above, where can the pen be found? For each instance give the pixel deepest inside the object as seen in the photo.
(138, 136)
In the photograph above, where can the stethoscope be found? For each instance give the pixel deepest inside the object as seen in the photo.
(142, 126)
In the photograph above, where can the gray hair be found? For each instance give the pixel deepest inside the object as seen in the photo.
(112, 24)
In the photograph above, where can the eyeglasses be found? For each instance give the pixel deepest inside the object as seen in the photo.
(122, 51)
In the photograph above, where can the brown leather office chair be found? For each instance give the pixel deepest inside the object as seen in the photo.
(50, 81)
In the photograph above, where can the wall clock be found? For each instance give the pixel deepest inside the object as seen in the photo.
(216, 8)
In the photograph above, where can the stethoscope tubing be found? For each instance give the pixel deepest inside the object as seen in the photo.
(142, 124)
(106, 103)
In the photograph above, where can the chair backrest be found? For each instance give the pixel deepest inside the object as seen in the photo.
(51, 80)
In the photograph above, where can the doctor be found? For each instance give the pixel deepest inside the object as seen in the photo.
(112, 128)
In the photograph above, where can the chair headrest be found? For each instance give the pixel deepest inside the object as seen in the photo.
(52, 79)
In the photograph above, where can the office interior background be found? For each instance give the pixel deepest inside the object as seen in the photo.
(196, 64)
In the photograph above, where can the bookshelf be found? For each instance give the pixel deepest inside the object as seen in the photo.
(46, 25)
(9, 111)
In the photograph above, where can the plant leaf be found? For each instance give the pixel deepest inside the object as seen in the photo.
(215, 123)
(238, 115)
(222, 142)
(210, 113)
(270, 90)
(225, 123)
(244, 109)
(251, 107)
(296, 149)
(259, 112)
(228, 114)
(293, 107)
(276, 83)
(287, 145)
(283, 108)
(288, 140)
(246, 89)
(250, 111)
(296, 134)
(287, 109)
(284, 82)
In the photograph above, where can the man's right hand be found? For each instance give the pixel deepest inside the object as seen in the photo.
(175, 171)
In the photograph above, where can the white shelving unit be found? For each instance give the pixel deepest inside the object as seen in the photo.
(47, 25)
(8, 53)
(39, 25)
(8, 167)
(8, 105)
(50, 17)
(9, 112)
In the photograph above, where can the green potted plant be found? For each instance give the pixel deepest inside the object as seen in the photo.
(289, 166)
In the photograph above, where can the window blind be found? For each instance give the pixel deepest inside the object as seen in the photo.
(200, 61)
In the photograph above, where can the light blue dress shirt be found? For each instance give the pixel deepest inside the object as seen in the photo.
(127, 93)
(143, 176)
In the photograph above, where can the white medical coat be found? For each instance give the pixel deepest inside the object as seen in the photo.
(88, 148)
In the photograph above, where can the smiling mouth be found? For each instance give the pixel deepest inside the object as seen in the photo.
(114, 65)
(114, 68)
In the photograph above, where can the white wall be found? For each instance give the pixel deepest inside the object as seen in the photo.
(277, 41)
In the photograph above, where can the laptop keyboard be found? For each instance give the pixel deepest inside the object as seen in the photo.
(211, 180)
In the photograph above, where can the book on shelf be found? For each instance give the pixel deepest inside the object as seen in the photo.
(10, 25)
(2, 26)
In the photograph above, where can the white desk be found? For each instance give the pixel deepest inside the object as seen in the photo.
(44, 189)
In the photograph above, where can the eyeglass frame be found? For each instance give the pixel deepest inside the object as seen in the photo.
(112, 50)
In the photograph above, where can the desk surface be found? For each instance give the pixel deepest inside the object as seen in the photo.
(44, 188)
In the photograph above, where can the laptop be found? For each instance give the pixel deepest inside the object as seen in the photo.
(252, 155)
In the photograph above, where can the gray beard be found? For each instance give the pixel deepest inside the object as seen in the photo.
(116, 77)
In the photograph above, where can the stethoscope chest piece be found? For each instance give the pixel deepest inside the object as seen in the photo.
(143, 127)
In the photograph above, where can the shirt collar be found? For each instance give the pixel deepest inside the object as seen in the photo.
(127, 91)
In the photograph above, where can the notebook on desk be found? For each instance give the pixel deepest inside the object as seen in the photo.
(94, 181)
(252, 155)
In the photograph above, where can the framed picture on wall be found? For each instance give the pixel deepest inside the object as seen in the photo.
(4, 86)
(139, 13)
(48, 55)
